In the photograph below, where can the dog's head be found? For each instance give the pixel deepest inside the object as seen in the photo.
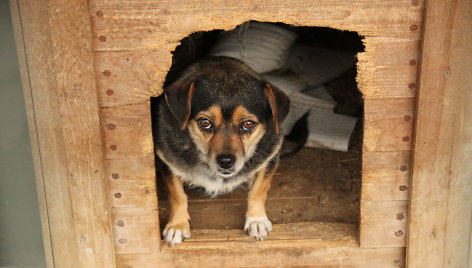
(227, 110)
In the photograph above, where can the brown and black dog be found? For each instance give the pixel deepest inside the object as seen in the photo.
(218, 127)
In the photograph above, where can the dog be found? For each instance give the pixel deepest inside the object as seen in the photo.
(218, 127)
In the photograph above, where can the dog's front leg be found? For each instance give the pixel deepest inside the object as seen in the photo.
(178, 227)
(257, 224)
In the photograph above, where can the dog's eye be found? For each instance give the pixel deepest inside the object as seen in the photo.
(204, 123)
(248, 125)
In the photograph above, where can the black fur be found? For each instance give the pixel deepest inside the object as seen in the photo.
(227, 83)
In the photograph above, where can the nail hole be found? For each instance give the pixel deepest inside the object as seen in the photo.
(405, 139)
(113, 147)
(399, 233)
(111, 126)
(397, 262)
(109, 92)
(102, 38)
(99, 13)
(122, 240)
(407, 118)
(400, 216)
(402, 188)
(115, 176)
(403, 168)
(106, 73)
(118, 195)
(412, 85)
(413, 27)
(120, 223)
(412, 62)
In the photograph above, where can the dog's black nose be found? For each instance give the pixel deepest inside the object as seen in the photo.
(225, 160)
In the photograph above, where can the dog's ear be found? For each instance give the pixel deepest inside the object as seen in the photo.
(178, 97)
(279, 104)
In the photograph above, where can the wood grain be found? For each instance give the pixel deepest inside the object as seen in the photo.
(131, 182)
(442, 153)
(136, 230)
(136, 24)
(383, 223)
(323, 245)
(388, 124)
(133, 41)
(127, 131)
(386, 175)
(59, 59)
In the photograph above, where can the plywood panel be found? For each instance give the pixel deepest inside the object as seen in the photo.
(127, 131)
(386, 175)
(383, 223)
(388, 124)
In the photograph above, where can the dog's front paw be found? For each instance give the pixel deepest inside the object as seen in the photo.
(258, 228)
(175, 233)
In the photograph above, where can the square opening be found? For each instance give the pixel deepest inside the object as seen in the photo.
(315, 193)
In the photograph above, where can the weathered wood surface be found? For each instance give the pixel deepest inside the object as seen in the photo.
(59, 74)
(383, 223)
(323, 245)
(136, 230)
(388, 124)
(441, 190)
(386, 175)
(133, 41)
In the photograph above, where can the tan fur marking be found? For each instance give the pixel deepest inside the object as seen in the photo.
(258, 194)
(251, 138)
(178, 216)
(202, 138)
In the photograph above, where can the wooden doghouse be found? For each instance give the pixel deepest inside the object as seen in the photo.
(89, 69)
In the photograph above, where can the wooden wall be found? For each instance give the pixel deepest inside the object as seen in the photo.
(441, 197)
(133, 42)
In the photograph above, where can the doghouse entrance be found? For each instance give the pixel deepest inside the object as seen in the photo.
(313, 186)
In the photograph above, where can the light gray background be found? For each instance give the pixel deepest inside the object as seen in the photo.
(20, 230)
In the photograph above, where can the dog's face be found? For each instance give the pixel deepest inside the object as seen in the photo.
(227, 111)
